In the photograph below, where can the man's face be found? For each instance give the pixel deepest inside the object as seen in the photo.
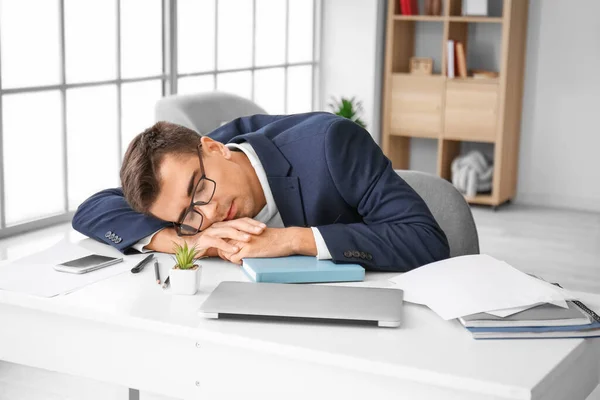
(178, 176)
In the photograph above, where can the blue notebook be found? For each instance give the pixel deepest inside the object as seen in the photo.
(300, 269)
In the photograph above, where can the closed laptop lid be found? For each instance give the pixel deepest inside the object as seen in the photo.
(383, 306)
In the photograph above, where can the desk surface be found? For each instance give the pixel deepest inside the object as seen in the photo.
(425, 349)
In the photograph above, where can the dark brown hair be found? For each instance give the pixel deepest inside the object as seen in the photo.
(139, 172)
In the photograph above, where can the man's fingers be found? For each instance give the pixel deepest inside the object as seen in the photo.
(229, 233)
(247, 225)
(218, 243)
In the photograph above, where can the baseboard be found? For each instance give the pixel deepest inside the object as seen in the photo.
(559, 201)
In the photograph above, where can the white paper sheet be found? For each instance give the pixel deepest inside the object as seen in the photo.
(35, 274)
(561, 303)
(467, 285)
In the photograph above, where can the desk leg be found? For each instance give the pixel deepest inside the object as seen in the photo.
(134, 394)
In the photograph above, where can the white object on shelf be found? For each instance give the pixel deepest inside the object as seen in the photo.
(450, 49)
(475, 7)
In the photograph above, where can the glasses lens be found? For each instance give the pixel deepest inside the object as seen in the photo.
(204, 191)
(191, 223)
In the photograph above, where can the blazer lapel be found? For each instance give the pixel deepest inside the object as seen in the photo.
(286, 192)
(285, 189)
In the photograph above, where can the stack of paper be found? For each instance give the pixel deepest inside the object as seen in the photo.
(465, 287)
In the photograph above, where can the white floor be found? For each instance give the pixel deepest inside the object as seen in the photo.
(558, 245)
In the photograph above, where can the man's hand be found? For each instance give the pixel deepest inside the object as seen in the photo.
(215, 238)
(273, 242)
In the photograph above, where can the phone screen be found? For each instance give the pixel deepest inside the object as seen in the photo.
(88, 261)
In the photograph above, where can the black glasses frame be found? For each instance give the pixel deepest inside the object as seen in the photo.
(191, 208)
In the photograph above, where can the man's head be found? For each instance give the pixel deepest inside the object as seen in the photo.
(162, 168)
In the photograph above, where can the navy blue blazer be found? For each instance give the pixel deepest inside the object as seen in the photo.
(324, 171)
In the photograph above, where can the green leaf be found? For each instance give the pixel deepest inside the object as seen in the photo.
(185, 256)
(348, 108)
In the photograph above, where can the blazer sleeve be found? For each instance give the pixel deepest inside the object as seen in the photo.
(108, 218)
(398, 232)
(107, 212)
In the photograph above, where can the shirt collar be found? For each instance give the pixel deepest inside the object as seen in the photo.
(270, 209)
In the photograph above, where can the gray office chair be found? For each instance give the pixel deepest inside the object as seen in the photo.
(449, 209)
(206, 111)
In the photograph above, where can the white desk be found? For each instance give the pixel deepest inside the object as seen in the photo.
(128, 331)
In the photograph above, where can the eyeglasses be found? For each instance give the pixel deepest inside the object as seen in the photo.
(192, 220)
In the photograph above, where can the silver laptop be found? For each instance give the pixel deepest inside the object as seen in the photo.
(314, 302)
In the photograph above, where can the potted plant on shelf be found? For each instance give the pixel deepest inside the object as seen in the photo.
(348, 108)
(184, 277)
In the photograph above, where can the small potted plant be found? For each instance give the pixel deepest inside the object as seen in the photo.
(184, 277)
(348, 108)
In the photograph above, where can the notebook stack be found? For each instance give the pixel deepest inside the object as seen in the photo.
(543, 321)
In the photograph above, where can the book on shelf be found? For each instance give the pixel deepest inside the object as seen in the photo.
(451, 61)
(461, 60)
(409, 7)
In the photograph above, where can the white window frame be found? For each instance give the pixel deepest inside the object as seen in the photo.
(169, 79)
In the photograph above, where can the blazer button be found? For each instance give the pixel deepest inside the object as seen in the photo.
(356, 254)
(363, 255)
(119, 240)
(369, 257)
(107, 234)
(347, 254)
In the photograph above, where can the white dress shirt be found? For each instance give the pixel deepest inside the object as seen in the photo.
(269, 215)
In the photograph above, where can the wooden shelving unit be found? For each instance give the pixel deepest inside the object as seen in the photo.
(457, 110)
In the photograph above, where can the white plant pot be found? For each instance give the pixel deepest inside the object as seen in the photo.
(185, 281)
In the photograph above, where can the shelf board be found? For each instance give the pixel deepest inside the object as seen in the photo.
(486, 199)
(493, 20)
(437, 76)
(422, 135)
(430, 18)
(475, 80)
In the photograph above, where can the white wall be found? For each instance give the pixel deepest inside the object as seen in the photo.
(348, 55)
(560, 137)
(559, 163)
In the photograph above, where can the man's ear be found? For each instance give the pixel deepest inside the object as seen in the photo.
(210, 146)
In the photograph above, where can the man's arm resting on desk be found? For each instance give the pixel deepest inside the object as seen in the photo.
(222, 236)
(275, 242)
(107, 217)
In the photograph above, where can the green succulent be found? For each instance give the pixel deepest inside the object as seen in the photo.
(185, 256)
(348, 108)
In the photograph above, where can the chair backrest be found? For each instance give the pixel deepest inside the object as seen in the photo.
(204, 112)
(449, 209)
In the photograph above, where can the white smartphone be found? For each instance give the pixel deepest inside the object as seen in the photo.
(87, 264)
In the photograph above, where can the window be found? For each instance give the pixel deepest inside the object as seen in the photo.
(76, 90)
(260, 49)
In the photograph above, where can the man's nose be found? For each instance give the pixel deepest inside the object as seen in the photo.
(210, 213)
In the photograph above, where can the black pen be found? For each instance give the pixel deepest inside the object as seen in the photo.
(156, 272)
(166, 284)
(141, 264)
